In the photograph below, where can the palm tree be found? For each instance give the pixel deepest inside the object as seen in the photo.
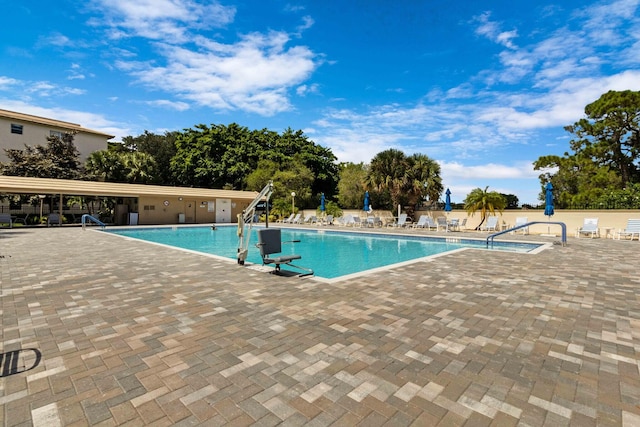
(485, 202)
(424, 179)
(140, 167)
(105, 165)
(388, 171)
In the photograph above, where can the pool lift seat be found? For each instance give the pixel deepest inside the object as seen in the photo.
(270, 242)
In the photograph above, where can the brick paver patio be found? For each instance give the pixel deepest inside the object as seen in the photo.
(127, 333)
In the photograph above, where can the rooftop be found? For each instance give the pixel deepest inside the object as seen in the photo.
(50, 122)
(130, 332)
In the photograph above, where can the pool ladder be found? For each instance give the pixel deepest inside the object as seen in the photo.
(561, 224)
(86, 217)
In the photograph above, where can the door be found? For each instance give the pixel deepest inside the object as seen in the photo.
(190, 211)
(223, 210)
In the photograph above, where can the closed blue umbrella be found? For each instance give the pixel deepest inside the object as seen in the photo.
(322, 203)
(447, 201)
(367, 202)
(548, 199)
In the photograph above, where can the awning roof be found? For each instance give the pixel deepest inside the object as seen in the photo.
(22, 185)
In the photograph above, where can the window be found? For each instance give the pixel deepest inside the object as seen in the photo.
(56, 133)
(16, 129)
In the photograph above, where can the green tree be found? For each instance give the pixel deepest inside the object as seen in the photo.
(606, 152)
(424, 179)
(487, 202)
(388, 171)
(161, 147)
(59, 158)
(406, 179)
(105, 165)
(226, 155)
(140, 168)
(287, 178)
(351, 185)
(511, 200)
(610, 134)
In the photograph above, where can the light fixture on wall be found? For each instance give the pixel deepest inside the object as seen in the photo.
(180, 198)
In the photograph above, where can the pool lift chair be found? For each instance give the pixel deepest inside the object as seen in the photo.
(270, 242)
(246, 219)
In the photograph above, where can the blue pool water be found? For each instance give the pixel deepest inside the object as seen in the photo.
(329, 254)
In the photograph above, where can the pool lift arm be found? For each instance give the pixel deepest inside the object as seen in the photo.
(246, 217)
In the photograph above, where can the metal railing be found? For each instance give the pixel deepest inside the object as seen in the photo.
(517, 227)
(86, 217)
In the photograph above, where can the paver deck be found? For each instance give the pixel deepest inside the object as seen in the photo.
(105, 331)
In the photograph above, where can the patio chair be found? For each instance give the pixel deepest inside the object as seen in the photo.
(454, 224)
(491, 224)
(375, 221)
(522, 220)
(462, 225)
(5, 218)
(632, 229)
(402, 221)
(296, 219)
(421, 222)
(441, 222)
(286, 220)
(54, 218)
(345, 221)
(269, 243)
(590, 227)
(327, 220)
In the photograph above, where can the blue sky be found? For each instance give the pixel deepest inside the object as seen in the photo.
(484, 88)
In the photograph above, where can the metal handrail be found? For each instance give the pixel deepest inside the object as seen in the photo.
(517, 227)
(89, 217)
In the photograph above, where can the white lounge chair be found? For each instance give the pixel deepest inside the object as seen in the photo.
(422, 222)
(441, 222)
(327, 220)
(491, 224)
(425, 221)
(454, 224)
(522, 220)
(346, 221)
(632, 229)
(286, 220)
(402, 221)
(590, 227)
(296, 219)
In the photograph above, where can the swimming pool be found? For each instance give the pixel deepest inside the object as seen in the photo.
(330, 254)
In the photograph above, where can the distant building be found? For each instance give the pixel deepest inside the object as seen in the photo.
(19, 129)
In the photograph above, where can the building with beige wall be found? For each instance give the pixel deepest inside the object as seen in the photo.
(134, 203)
(19, 129)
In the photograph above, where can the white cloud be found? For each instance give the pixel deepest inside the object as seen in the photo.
(161, 19)
(457, 170)
(303, 90)
(253, 74)
(7, 82)
(491, 30)
(168, 104)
